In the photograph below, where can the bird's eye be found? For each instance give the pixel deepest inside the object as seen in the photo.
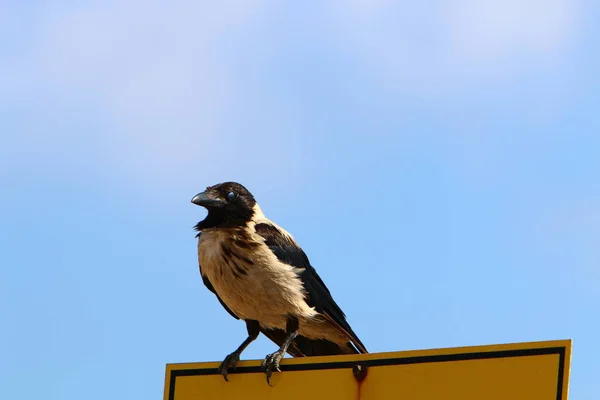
(231, 196)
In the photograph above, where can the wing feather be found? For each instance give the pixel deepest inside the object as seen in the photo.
(317, 294)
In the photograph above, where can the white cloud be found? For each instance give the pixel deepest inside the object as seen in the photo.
(155, 66)
(496, 30)
(166, 79)
(161, 74)
(425, 45)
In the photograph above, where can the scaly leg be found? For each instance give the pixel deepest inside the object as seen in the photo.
(271, 361)
(232, 359)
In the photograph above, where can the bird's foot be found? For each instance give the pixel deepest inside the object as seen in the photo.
(271, 363)
(229, 362)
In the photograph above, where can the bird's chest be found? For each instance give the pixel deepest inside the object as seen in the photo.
(239, 275)
(223, 262)
(248, 277)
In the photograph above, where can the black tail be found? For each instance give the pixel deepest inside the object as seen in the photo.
(305, 347)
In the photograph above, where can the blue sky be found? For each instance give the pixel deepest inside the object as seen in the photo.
(438, 162)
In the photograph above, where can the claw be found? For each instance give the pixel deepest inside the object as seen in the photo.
(271, 363)
(229, 362)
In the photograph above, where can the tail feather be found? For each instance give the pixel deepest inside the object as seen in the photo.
(305, 347)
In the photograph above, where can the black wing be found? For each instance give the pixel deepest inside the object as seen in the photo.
(319, 296)
(210, 287)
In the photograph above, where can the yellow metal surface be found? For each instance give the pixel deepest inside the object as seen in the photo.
(528, 371)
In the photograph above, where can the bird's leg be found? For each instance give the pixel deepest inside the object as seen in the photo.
(271, 361)
(232, 359)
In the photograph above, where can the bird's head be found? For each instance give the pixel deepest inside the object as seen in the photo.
(229, 205)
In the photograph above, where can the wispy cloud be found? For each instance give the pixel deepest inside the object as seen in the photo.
(425, 44)
(504, 30)
(165, 79)
(156, 73)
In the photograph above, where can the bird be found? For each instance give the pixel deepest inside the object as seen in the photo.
(261, 276)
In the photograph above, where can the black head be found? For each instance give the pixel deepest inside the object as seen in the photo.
(229, 205)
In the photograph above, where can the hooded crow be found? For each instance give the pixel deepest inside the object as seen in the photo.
(260, 275)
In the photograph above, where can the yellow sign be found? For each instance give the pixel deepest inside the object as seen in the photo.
(528, 371)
